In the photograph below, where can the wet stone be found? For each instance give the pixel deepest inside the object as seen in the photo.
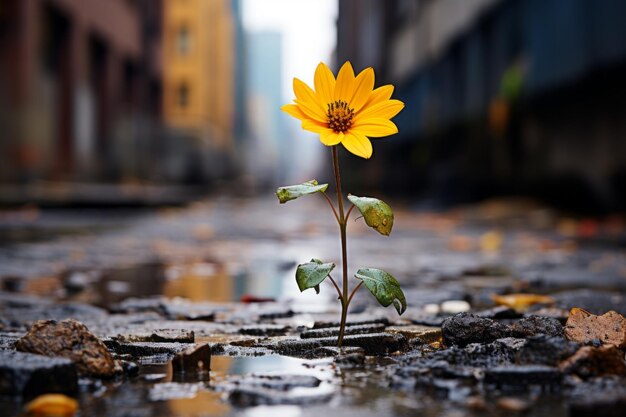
(466, 328)
(591, 361)
(584, 327)
(596, 397)
(497, 353)
(157, 352)
(158, 336)
(28, 375)
(334, 331)
(375, 344)
(533, 325)
(426, 334)
(545, 350)
(521, 377)
(265, 330)
(70, 339)
(192, 360)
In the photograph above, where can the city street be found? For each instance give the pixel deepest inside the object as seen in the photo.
(222, 270)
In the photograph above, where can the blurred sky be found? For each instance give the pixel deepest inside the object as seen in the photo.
(308, 29)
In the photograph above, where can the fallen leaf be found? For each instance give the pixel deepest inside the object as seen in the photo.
(521, 302)
(491, 241)
(583, 327)
(48, 405)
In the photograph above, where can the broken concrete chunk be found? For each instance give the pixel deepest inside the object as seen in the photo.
(591, 361)
(29, 375)
(334, 331)
(70, 339)
(520, 377)
(158, 336)
(466, 328)
(533, 325)
(427, 334)
(545, 350)
(194, 359)
(584, 327)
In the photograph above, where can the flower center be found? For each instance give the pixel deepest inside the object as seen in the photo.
(340, 116)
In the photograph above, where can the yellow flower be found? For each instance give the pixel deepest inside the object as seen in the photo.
(347, 110)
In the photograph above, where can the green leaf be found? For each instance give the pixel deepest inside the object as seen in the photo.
(291, 192)
(377, 214)
(311, 274)
(384, 287)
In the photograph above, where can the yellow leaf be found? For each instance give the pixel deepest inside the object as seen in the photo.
(521, 302)
(49, 405)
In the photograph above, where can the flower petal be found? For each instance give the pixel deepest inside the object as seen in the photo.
(344, 87)
(375, 127)
(324, 83)
(357, 144)
(294, 111)
(308, 102)
(363, 85)
(313, 126)
(380, 94)
(386, 110)
(331, 138)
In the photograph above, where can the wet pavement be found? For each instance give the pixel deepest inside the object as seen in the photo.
(157, 285)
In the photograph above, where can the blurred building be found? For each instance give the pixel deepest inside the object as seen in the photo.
(78, 79)
(199, 54)
(522, 96)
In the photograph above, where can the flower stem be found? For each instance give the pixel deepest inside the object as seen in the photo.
(344, 248)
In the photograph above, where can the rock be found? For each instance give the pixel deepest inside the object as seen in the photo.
(466, 328)
(194, 359)
(334, 331)
(591, 361)
(584, 327)
(265, 330)
(533, 325)
(70, 339)
(545, 350)
(497, 353)
(595, 397)
(166, 335)
(376, 344)
(521, 377)
(28, 375)
(426, 334)
(158, 352)
(278, 390)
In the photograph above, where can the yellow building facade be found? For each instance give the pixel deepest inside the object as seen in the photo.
(198, 68)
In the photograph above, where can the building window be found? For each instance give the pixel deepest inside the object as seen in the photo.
(182, 96)
(183, 41)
